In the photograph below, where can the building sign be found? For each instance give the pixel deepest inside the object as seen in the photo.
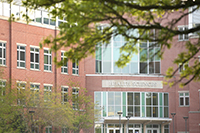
(131, 84)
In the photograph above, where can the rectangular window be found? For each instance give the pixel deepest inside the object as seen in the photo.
(2, 53)
(182, 67)
(34, 58)
(149, 58)
(21, 93)
(98, 60)
(47, 92)
(35, 129)
(166, 129)
(75, 68)
(182, 37)
(64, 67)
(47, 60)
(35, 88)
(2, 88)
(21, 56)
(48, 129)
(65, 130)
(64, 94)
(75, 92)
(184, 99)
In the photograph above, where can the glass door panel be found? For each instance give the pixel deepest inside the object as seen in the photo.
(117, 131)
(130, 131)
(155, 131)
(137, 131)
(111, 131)
(149, 131)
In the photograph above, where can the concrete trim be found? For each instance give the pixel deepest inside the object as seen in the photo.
(33, 46)
(186, 91)
(3, 41)
(192, 112)
(21, 44)
(120, 75)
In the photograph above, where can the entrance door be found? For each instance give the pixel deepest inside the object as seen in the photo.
(152, 131)
(110, 130)
(113, 131)
(134, 131)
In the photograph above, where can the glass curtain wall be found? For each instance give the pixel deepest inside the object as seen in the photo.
(107, 55)
(146, 61)
(136, 104)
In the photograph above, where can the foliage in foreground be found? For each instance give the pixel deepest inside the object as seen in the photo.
(16, 107)
(81, 32)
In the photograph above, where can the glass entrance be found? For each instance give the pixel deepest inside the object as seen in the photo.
(153, 128)
(113, 131)
(134, 131)
(152, 131)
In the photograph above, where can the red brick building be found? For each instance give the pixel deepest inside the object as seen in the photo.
(135, 90)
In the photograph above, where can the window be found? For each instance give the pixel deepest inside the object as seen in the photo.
(48, 129)
(21, 93)
(35, 88)
(34, 58)
(114, 103)
(21, 53)
(2, 53)
(2, 88)
(184, 99)
(64, 94)
(65, 130)
(196, 25)
(64, 67)
(146, 62)
(98, 60)
(133, 104)
(47, 60)
(137, 104)
(75, 68)
(47, 92)
(182, 37)
(75, 92)
(182, 67)
(149, 58)
(35, 129)
(166, 129)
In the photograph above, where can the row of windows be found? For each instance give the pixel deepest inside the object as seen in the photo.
(48, 129)
(35, 92)
(38, 16)
(146, 61)
(132, 128)
(138, 104)
(35, 59)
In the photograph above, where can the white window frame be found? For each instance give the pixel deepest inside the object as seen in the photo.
(48, 90)
(75, 68)
(2, 86)
(3, 58)
(48, 129)
(149, 59)
(34, 52)
(181, 67)
(76, 93)
(184, 98)
(21, 85)
(183, 37)
(19, 50)
(63, 93)
(35, 89)
(34, 129)
(49, 60)
(65, 65)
